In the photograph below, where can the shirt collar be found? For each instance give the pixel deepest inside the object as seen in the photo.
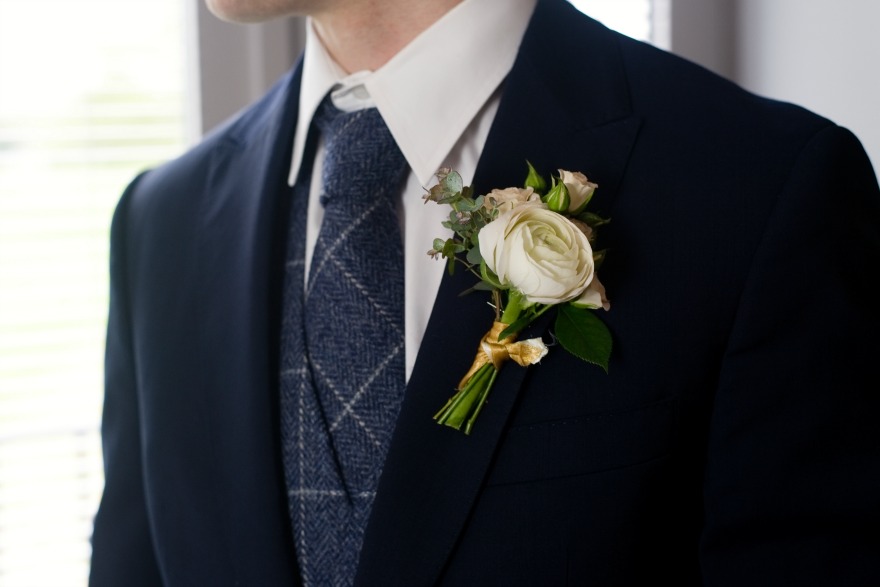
(431, 90)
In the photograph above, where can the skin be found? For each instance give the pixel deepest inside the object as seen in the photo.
(359, 34)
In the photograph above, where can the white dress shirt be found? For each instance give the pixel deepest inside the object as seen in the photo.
(438, 96)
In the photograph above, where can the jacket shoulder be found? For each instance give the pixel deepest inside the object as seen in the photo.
(174, 185)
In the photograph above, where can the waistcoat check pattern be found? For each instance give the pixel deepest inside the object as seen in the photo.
(342, 343)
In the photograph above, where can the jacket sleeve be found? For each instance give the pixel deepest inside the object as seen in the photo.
(122, 547)
(792, 486)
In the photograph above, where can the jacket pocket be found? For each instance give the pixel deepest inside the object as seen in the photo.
(585, 444)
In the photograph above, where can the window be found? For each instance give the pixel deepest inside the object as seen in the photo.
(90, 93)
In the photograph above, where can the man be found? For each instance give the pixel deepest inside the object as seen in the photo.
(734, 437)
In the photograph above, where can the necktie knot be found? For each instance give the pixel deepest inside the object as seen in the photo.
(362, 157)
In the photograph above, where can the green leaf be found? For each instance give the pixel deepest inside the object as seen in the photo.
(594, 220)
(451, 248)
(483, 286)
(584, 335)
(473, 255)
(448, 190)
(479, 286)
(490, 277)
(452, 183)
(466, 205)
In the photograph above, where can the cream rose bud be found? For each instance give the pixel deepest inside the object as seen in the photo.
(593, 297)
(580, 189)
(584, 227)
(538, 252)
(508, 198)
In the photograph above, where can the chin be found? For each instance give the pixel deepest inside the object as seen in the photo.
(245, 11)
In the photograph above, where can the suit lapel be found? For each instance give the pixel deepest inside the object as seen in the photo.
(555, 117)
(243, 220)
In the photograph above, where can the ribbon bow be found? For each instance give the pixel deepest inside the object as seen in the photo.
(524, 353)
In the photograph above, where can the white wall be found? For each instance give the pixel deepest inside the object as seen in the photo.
(824, 54)
(704, 31)
(821, 54)
(237, 62)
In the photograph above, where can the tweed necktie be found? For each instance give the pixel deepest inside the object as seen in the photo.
(343, 344)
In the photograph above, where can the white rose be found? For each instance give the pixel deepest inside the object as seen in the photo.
(580, 189)
(538, 252)
(508, 198)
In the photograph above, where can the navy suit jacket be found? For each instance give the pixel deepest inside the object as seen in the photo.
(733, 440)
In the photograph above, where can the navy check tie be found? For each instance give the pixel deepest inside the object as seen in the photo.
(343, 372)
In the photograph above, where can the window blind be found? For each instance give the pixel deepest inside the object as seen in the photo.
(91, 92)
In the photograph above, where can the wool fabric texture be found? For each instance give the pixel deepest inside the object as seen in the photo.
(342, 343)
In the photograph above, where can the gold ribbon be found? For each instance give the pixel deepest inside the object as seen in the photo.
(524, 353)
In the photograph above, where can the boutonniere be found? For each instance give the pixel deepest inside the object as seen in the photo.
(531, 248)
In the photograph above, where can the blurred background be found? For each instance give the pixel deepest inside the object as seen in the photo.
(93, 91)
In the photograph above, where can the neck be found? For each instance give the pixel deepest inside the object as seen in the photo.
(365, 34)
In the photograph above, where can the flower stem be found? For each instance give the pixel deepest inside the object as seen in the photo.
(462, 408)
(513, 308)
(484, 393)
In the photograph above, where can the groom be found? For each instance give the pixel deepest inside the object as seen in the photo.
(734, 438)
